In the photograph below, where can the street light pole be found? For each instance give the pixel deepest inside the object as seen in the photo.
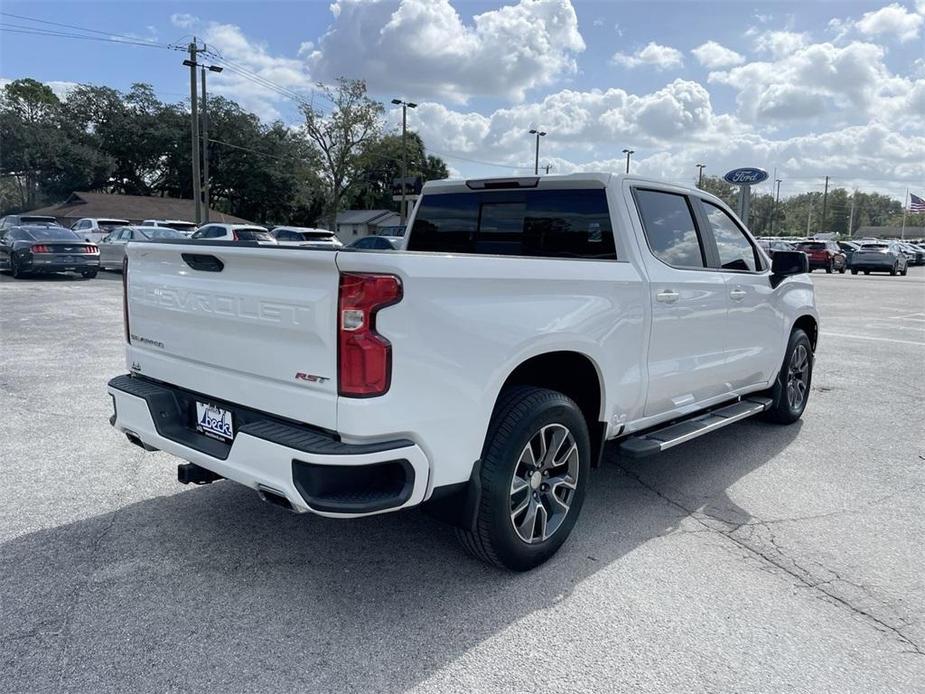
(700, 175)
(405, 105)
(536, 161)
(628, 152)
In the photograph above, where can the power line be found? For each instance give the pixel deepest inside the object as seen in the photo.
(37, 31)
(78, 28)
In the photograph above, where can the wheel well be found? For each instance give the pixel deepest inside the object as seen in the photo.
(808, 325)
(574, 375)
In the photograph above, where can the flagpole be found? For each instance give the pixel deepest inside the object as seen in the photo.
(902, 233)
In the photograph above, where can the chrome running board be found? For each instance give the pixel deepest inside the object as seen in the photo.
(658, 440)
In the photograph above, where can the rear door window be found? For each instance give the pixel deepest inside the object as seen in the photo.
(544, 223)
(668, 224)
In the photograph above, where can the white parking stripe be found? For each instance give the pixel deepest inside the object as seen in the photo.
(873, 339)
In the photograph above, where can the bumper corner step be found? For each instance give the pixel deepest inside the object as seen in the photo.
(658, 440)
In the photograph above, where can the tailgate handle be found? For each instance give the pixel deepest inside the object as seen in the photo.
(200, 261)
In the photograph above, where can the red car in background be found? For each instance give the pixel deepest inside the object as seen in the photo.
(824, 255)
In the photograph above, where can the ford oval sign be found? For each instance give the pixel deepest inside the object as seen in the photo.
(746, 176)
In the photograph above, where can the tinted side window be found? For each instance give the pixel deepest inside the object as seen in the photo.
(668, 223)
(735, 250)
(546, 223)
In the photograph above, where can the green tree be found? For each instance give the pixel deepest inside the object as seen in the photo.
(340, 138)
(726, 192)
(380, 164)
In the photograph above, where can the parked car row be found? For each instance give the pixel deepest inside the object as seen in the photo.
(866, 255)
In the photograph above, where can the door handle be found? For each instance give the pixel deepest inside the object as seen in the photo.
(737, 294)
(667, 296)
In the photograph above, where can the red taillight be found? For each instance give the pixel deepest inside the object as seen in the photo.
(125, 298)
(234, 235)
(41, 248)
(91, 249)
(364, 357)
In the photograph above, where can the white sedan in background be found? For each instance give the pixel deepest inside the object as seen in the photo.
(306, 236)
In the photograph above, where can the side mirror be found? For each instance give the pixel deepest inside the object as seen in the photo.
(786, 263)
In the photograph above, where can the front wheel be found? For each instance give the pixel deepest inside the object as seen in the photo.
(534, 473)
(791, 389)
(854, 272)
(905, 271)
(829, 268)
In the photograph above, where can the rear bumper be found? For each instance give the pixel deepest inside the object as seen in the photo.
(312, 469)
(53, 263)
(872, 264)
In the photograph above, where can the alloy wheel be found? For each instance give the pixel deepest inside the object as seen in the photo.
(544, 482)
(798, 377)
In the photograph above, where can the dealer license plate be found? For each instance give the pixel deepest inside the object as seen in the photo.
(214, 421)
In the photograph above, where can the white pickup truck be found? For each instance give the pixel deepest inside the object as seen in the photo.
(480, 369)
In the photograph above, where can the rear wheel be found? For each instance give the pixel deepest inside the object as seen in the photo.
(791, 389)
(905, 271)
(15, 270)
(534, 473)
(893, 271)
(89, 274)
(854, 272)
(829, 267)
(867, 272)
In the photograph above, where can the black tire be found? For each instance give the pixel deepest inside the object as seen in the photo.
(841, 270)
(867, 272)
(519, 417)
(905, 271)
(829, 268)
(783, 410)
(89, 274)
(15, 270)
(854, 272)
(893, 271)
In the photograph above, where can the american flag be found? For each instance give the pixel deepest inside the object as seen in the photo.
(916, 204)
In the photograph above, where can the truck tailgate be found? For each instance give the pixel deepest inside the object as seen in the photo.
(260, 331)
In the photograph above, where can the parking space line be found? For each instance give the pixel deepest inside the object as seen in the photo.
(873, 339)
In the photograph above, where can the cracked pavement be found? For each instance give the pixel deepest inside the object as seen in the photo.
(755, 559)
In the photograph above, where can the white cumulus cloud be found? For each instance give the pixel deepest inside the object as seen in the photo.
(653, 54)
(714, 55)
(894, 20)
(424, 47)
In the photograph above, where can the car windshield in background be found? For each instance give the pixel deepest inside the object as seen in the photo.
(39, 220)
(253, 235)
(811, 246)
(52, 234)
(159, 233)
(874, 247)
(178, 226)
(397, 230)
(109, 225)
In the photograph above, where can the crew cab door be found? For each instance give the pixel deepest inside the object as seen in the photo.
(754, 330)
(686, 350)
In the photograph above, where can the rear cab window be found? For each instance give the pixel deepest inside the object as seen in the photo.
(563, 223)
(669, 228)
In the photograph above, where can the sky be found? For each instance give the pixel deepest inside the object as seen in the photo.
(801, 89)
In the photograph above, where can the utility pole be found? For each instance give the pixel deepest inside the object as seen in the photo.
(628, 152)
(205, 141)
(405, 105)
(902, 233)
(194, 126)
(548, 167)
(776, 203)
(825, 200)
(809, 216)
(700, 175)
(536, 160)
(851, 215)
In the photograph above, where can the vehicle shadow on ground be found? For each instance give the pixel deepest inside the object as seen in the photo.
(60, 277)
(210, 588)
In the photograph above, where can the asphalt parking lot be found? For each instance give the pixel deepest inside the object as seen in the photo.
(756, 559)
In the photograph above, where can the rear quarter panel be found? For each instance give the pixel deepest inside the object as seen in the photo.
(466, 322)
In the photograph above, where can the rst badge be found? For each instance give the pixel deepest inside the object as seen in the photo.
(311, 378)
(214, 422)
